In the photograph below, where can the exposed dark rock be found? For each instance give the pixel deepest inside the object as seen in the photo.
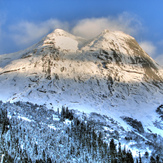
(134, 123)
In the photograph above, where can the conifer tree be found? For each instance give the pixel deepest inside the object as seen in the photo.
(157, 159)
(152, 160)
(140, 158)
(112, 147)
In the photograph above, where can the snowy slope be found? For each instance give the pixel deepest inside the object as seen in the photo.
(109, 74)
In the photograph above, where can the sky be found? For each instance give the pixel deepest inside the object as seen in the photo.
(25, 22)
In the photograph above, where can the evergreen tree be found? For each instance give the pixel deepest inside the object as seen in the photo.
(112, 145)
(140, 158)
(119, 148)
(63, 112)
(58, 111)
(99, 140)
(112, 148)
(129, 157)
(43, 155)
(124, 151)
(49, 160)
(35, 149)
(137, 160)
(157, 159)
(67, 113)
(146, 154)
(152, 160)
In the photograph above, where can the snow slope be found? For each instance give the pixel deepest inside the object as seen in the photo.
(110, 74)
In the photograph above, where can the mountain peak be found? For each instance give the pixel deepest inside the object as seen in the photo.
(61, 40)
(105, 31)
(58, 30)
(110, 71)
(117, 41)
(61, 32)
(118, 34)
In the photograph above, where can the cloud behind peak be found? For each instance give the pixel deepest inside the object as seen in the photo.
(91, 27)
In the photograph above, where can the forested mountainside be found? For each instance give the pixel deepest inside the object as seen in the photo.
(112, 87)
(33, 133)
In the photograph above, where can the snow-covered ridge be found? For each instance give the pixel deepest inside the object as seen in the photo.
(110, 74)
(63, 40)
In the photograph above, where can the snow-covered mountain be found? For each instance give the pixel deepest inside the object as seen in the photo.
(110, 74)
(109, 77)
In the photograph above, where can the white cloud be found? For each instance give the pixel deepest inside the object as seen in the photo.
(24, 33)
(91, 27)
(152, 50)
(148, 47)
(159, 59)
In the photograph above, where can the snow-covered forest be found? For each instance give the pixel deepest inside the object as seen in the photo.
(32, 133)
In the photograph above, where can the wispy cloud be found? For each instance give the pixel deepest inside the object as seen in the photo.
(25, 32)
(152, 50)
(91, 27)
(159, 59)
(148, 47)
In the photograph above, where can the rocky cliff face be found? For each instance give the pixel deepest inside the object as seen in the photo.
(110, 74)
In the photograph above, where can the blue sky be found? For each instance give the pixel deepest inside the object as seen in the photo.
(25, 22)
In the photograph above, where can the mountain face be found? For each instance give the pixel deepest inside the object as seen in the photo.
(111, 86)
(110, 74)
